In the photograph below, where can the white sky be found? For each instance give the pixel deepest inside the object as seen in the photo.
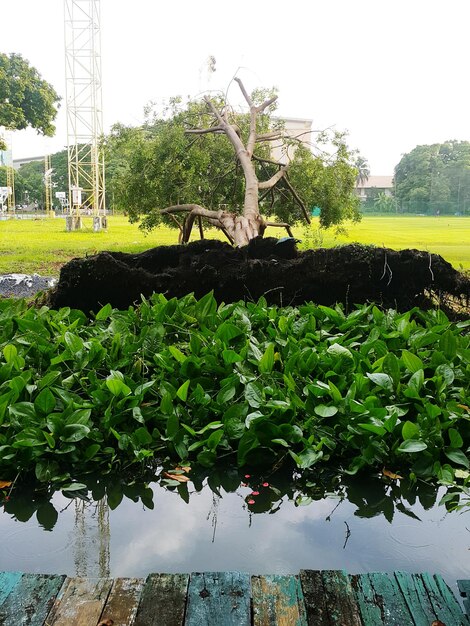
(394, 73)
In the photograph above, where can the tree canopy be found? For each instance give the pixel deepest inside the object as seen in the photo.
(190, 155)
(435, 178)
(25, 98)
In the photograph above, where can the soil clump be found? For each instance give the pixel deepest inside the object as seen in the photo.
(273, 268)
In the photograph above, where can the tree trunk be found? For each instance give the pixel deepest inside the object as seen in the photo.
(243, 228)
(239, 229)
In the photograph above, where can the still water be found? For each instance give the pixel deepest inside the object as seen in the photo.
(213, 532)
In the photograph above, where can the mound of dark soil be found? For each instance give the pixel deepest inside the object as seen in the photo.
(266, 267)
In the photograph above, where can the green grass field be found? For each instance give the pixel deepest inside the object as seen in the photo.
(43, 246)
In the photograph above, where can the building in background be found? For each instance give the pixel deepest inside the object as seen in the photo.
(17, 163)
(369, 189)
(294, 127)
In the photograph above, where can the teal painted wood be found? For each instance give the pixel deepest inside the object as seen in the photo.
(31, 600)
(464, 588)
(370, 610)
(450, 600)
(340, 599)
(163, 600)
(390, 598)
(219, 599)
(314, 597)
(278, 601)
(8, 581)
(416, 598)
(444, 603)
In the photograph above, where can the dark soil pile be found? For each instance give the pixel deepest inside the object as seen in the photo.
(266, 267)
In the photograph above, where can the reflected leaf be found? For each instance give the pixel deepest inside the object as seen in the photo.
(181, 478)
(147, 498)
(47, 515)
(402, 508)
(183, 492)
(389, 474)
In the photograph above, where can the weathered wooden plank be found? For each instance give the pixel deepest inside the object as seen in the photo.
(416, 598)
(314, 597)
(370, 610)
(8, 581)
(444, 604)
(80, 602)
(219, 599)
(123, 601)
(31, 600)
(451, 601)
(340, 599)
(163, 600)
(389, 597)
(278, 601)
(464, 588)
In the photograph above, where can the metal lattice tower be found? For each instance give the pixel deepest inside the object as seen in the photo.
(11, 185)
(91, 538)
(11, 202)
(84, 106)
(48, 183)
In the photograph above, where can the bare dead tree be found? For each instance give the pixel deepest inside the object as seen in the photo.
(239, 229)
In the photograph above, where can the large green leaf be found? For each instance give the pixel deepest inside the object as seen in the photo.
(457, 456)
(412, 445)
(412, 362)
(73, 342)
(253, 395)
(74, 432)
(45, 401)
(182, 392)
(382, 380)
(448, 344)
(206, 308)
(336, 349)
(266, 362)
(10, 353)
(227, 331)
(325, 411)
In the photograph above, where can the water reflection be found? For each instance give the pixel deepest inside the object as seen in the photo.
(223, 520)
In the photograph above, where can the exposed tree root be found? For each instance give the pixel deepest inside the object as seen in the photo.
(266, 267)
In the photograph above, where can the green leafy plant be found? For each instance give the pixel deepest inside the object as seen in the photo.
(196, 381)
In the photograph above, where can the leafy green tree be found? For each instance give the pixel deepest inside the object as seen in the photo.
(363, 170)
(119, 148)
(434, 177)
(25, 98)
(204, 161)
(19, 182)
(60, 173)
(32, 176)
(384, 203)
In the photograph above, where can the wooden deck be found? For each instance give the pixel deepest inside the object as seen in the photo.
(313, 598)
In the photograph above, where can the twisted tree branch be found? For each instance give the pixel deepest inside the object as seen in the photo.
(204, 131)
(268, 184)
(281, 225)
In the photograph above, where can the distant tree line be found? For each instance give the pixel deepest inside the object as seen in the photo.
(431, 180)
(29, 180)
(434, 179)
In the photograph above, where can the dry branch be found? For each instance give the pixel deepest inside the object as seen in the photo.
(204, 131)
(268, 184)
(281, 225)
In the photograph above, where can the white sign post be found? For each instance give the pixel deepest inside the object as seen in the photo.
(77, 196)
(73, 221)
(5, 192)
